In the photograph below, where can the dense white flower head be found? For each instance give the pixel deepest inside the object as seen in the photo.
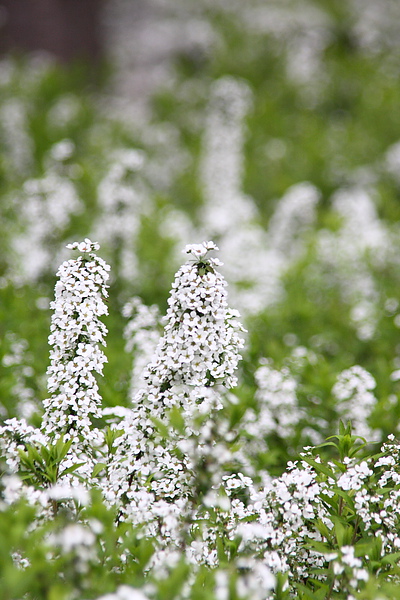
(294, 216)
(67, 442)
(158, 462)
(76, 335)
(256, 259)
(281, 519)
(274, 523)
(278, 404)
(362, 234)
(18, 145)
(201, 342)
(18, 360)
(79, 541)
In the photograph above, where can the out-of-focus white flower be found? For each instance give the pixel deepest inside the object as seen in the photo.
(45, 206)
(356, 401)
(66, 492)
(125, 592)
(123, 200)
(142, 334)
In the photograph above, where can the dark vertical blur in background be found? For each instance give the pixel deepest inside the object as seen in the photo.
(67, 29)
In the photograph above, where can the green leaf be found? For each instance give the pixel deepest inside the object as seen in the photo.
(391, 559)
(325, 444)
(339, 465)
(26, 460)
(345, 495)
(221, 549)
(62, 448)
(71, 469)
(281, 587)
(323, 529)
(343, 531)
(51, 474)
(25, 476)
(110, 435)
(321, 547)
(176, 419)
(98, 468)
(308, 594)
(319, 467)
(161, 427)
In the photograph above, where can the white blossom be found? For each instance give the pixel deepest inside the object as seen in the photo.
(122, 199)
(46, 206)
(125, 592)
(354, 391)
(152, 477)
(344, 252)
(76, 356)
(142, 334)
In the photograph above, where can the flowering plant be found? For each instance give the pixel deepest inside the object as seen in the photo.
(169, 481)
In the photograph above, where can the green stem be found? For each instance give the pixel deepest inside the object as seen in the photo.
(353, 539)
(54, 506)
(341, 506)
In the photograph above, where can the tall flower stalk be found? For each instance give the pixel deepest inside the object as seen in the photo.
(168, 453)
(76, 355)
(67, 443)
(201, 343)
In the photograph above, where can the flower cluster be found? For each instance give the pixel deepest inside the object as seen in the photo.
(76, 335)
(18, 145)
(201, 341)
(345, 251)
(278, 520)
(67, 441)
(276, 397)
(348, 566)
(46, 206)
(122, 200)
(142, 334)
(228, 213)
(222, 164)
(380, 512)
(294, 215)
(77, 541)
(354, 392)
(19, 360)
(172, 451)
(293, 521)
(257, 259)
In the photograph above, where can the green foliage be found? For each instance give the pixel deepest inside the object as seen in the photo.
(42, 465)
